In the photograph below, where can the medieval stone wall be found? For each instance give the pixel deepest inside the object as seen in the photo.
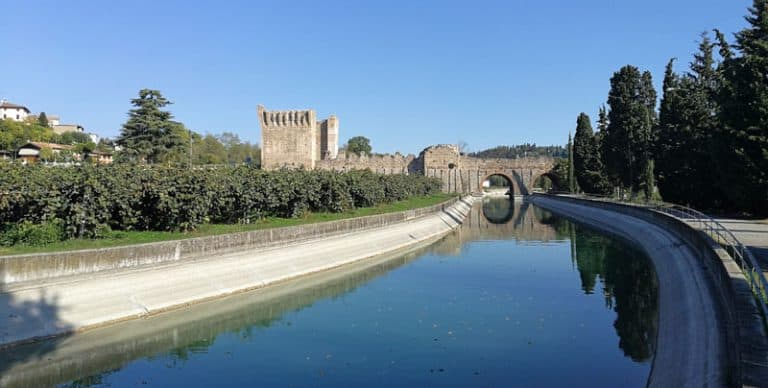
(288, 138)
(384, 164)
(296, 139)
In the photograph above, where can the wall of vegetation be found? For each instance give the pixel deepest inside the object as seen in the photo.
(40, 204)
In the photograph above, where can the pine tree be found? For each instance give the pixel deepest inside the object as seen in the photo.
(743, 141)
(149, 134)
(687, 123)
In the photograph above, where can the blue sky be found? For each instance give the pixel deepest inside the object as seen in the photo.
(405, 74)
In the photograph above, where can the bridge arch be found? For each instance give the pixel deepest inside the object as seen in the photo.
(465, 174)
(509, 178)
(536, 180)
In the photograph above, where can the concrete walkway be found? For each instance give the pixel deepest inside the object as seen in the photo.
(44, 309)
(754, 235)
(690, 345)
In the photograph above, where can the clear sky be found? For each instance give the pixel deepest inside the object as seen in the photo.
(405, 74)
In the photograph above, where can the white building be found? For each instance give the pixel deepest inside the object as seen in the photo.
(13, 111)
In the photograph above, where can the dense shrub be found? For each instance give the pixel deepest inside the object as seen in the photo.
(28, 233)
(90, 201)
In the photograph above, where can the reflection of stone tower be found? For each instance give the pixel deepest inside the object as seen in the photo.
(295, 139)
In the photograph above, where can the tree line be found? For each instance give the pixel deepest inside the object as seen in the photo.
(521, 151)
(150, 135)
(706, 146)
(40, 204)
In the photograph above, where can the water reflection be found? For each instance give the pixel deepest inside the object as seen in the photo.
(88, 358)
(621, 274)
(624, 275)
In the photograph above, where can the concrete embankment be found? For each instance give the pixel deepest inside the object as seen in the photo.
(696, 341)
(40, 266)
(52, 305)
(710, 330)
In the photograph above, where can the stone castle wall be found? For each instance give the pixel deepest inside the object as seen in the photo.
(385, 164)
(296, 139)
(288, 138)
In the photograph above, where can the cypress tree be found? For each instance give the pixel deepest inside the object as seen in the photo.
(588, 167)
(571, 172)
(627, 139)
(42, 120)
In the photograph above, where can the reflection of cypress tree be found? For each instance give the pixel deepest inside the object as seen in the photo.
(630, 289)
(590, 249)
(630, 279)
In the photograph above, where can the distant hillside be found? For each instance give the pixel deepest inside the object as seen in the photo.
(520, 151)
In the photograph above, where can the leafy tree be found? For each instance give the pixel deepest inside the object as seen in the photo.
(209, 150)
(47, 155)
(15, 134)
(627, 138)
(239, 152)
(42, 120)
(71, 138)
(359, 145)
(149, 134)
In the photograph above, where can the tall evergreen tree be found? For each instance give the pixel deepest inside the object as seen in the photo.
(588, 167)
(684, 151)
(571, 167)
(149, 134)
(744, 114)
(627, 139)
(42, 119)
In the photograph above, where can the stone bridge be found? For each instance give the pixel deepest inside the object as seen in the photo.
(466, 174)
(297, 139)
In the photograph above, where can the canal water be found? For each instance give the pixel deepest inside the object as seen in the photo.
(516, 297)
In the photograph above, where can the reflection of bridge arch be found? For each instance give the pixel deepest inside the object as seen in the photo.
(523, 227)
(499, 211)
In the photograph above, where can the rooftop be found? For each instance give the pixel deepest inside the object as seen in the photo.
(8, 105)
(53, 146)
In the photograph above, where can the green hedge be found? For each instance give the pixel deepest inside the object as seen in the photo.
(89, 201)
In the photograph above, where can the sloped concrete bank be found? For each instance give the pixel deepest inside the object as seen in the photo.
(40, 266)
(708, 330)
(42, 308)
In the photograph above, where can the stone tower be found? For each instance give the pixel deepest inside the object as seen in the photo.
(295, 139)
